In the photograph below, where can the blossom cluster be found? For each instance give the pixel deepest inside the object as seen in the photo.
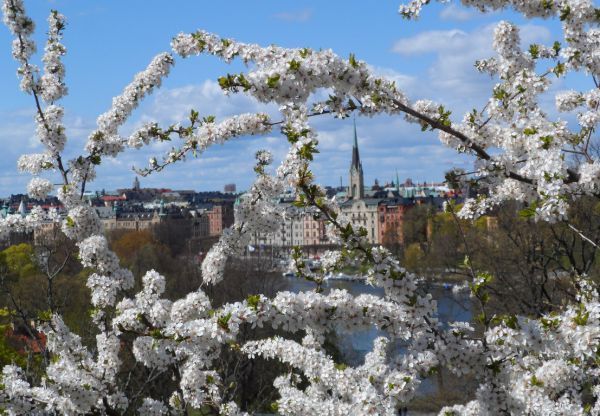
(17, 223)
(206, 135)
(52, 83)
(105, 140)
(22, 27)
(290, 76)
(39, 188)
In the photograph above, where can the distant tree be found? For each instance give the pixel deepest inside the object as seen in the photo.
(126, 243)
(415, 223)
(18, 261)
(413, 257)
(174, 234)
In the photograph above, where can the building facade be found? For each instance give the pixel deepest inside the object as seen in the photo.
(297, 228)
(219, 218)
(391, 219)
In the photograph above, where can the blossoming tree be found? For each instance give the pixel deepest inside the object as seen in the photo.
(523, 366)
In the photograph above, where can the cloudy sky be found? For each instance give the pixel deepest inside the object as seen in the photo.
(109, 41)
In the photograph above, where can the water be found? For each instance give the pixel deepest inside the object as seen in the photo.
(355, 345)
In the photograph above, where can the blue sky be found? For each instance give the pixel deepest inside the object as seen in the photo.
(109, 41)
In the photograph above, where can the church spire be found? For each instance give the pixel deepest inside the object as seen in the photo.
(355, 155)
(356, 185)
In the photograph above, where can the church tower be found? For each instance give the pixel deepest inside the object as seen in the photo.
(356, 189)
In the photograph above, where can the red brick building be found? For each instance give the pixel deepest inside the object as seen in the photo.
(314, 231)
(219, 218)
(391, 216)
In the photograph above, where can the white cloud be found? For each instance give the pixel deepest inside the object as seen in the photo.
(173, 105)
(299, 16)
(456, 13)
(438, 41)
(452, 78)
(479, 41)
(403, 81)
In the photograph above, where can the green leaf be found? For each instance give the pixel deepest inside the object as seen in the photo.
(495, 366)
(156, 334)
(536, 382)
(376, 98)
(305, 52)
(241, 79)
(546, 142)
(45, 315)
(294, 65)
(253, 301)
(534, 51)
(273, 80)
(559, 69)
(70, 222)
(530, 211)
(550, 324)
(444, 117)
(500, 94)
(224, 82)
(193, 116)
(223, 321)
(582, 315)
(556, 47)
(199, 38)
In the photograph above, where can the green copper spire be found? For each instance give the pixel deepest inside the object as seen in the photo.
(161, 211)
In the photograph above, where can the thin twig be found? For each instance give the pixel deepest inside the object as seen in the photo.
(583, 236)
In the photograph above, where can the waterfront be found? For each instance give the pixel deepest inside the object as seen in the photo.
(355, 345)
